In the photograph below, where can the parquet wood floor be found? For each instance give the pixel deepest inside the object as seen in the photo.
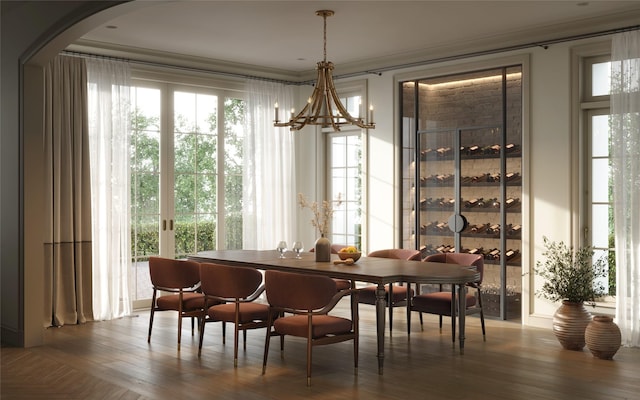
(112, 360)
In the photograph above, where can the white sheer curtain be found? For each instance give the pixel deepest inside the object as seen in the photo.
(625, 131)
(108, 108)
(269, 193)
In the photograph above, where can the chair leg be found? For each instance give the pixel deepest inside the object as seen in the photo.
(453, 329)
(421, 325)
(150, 323)
(244, 333)
(153, 309)
(266, 344)
(224, 332)
(192, 325)
(201, 328)
(408, 313)
(484, 335)
(390, 305)
(309, 353)
(235, 344)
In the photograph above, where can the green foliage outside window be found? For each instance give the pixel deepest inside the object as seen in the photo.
(196, 178)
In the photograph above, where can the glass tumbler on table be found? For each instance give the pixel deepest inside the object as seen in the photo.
(297, 248)
(282, 248)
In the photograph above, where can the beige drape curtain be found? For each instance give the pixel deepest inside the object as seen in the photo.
(68, 194)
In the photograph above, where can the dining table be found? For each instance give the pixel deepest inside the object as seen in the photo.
(376, 270)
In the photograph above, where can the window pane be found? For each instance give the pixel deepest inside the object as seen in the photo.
(601, 79)
(600, 136)
(600, 225)
(345, 173)
(234, 125)
(600, 180)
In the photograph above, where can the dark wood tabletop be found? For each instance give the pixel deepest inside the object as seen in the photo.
(366, 269)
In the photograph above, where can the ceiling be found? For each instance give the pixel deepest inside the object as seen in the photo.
(286, 37)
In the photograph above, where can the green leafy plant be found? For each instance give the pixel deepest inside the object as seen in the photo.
(570, 274)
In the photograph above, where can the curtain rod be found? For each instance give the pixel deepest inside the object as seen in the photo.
(179, 67)
(544, 44)
(378, 71)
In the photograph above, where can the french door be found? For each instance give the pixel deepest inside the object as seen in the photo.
(186, 175)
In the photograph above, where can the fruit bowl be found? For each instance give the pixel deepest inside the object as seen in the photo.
(344, 255)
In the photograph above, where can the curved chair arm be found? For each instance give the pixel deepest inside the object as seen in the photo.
(249, 299)
(324, 310)
(194, 288)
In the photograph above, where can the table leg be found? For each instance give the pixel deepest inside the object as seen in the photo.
(381, 305)
(462, 307)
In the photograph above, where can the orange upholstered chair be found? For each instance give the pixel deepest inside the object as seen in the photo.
(341, 284)
(230, 294)
(309, 298)
(181, 279)
(439, 303)
(396, 294)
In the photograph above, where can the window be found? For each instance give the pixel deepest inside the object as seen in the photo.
(598, 184)
(186, 173)
(345, 154)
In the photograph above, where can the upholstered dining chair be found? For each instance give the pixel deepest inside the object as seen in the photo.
(341, 284)
(439, 302)
(396, 295)
(309, 298)
(181, 280)
(230, 294)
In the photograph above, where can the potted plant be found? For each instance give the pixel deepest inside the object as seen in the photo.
(571, 276)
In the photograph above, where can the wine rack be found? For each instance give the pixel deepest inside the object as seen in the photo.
(475, 173)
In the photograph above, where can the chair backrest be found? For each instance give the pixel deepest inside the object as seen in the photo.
(174, 274)
(477, 260)
(298, 291)
(399, 254)
(229, 282)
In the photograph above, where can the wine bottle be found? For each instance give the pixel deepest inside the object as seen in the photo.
(442, 248)
(494, 178)
(511, 202)
(479, 228)
(510, 254)
(443, 151)
(476, 250)
(515, 230)
(511, 176)
(472, 203)
(493, 254)
(494, 229)
(473, 150)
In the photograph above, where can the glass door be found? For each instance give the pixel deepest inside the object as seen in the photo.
(186, 176)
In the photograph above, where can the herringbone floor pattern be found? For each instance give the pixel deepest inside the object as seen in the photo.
(112, 360)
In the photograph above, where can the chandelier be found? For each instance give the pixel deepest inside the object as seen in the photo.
(324, 107)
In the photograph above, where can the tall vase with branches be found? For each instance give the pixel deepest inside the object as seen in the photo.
(322, 215)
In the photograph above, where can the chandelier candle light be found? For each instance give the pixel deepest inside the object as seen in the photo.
(320, 107)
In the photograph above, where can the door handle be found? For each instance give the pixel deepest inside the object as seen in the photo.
(170, 224)
(164, 224)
